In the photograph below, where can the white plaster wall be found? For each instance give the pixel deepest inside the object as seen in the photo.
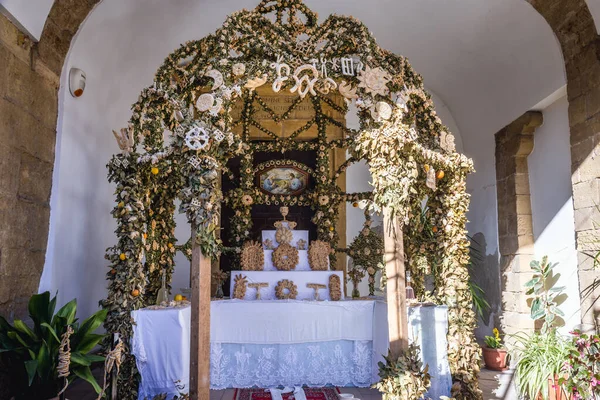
(120, 47)
(552, 203)
(28, 14)
(594, 6)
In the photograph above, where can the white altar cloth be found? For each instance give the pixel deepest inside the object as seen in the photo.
(250, 345)
(300, 279)
(263, 343)
(270, 322)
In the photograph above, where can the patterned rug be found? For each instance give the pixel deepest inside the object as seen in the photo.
(327, 393)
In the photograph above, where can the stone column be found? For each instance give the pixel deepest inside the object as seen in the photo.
(515, 225)
(574, 27)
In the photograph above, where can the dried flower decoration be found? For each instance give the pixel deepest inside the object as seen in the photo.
(318, 255)
(239, 287)
(247, 200)
(285, 257)
(253, 256)
(301, 244)
(238, 69)
(374, 80)
(286, 289)
(335, 287)
(323, 200)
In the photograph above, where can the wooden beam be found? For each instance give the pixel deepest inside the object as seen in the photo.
(200, 326)
(396, 285)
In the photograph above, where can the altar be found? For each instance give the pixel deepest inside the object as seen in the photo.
(238, 138)
(283, 343)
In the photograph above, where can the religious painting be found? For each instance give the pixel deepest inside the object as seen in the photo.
(286, 178)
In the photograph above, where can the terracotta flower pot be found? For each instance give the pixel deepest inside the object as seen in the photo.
(555, 392)
(495, 359)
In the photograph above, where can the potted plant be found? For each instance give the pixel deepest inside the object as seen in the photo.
(541, 355)
(29, 356)
(540, 361)
(494, 353)
(582, 370)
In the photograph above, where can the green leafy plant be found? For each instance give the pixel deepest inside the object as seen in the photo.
(544, 305)
(541, 355)
(541, 359)
(404, 378)
(494, 342)
(582, 369)
(29, 355)
(480, 303)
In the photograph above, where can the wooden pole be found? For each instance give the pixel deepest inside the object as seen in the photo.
(200, 326)
(396, 285)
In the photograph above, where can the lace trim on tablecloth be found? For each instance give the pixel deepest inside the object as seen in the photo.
(338, 363)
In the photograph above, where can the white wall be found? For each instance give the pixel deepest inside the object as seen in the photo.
(552, 203)
(30, 15)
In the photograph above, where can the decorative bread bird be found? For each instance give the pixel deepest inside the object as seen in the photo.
(256, 82)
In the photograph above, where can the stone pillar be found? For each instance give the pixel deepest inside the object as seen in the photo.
(29, 79)
(28, 110)
(576, 32)
(515, 225)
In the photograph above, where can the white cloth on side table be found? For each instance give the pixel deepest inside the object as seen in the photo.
(300, 279)
(161, 346)
(428, 327)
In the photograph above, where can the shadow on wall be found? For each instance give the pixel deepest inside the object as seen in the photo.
(485, 273)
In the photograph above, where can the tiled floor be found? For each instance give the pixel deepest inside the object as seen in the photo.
(497, 385)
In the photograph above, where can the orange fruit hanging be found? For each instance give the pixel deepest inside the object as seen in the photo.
(122, 256)
(154, 171)
(440, 174)
(135, 292)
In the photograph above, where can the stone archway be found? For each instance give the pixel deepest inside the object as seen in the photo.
(573, 25)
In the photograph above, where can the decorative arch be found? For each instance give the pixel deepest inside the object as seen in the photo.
(411, 156)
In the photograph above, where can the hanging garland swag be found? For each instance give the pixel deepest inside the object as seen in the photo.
(410, 154)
